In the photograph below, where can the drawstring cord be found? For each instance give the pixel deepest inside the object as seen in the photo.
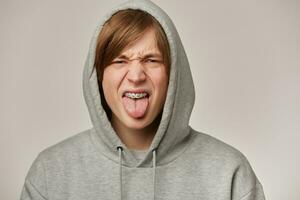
(120, 149)
(154, 171)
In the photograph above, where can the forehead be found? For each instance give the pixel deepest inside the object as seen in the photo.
(145, 45)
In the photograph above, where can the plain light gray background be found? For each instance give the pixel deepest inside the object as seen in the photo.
(245, 60)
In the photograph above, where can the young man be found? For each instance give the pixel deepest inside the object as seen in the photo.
(139, 91)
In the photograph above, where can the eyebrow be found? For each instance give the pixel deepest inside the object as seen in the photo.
(149, 55)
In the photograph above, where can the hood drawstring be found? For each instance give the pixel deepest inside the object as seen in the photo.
(120, 149)
(154, 170)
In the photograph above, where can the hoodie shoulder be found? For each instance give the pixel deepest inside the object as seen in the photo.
(68, 148)
(60, 157)
(55, 160)
(214, 147)
(227, 161)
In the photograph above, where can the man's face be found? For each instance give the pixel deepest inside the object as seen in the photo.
(130, 77)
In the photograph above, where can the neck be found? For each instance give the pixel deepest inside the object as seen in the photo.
(137, 139)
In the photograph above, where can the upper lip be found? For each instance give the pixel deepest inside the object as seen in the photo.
(137, 91)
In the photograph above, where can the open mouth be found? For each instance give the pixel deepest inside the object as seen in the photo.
(137, 95)
(136, 103)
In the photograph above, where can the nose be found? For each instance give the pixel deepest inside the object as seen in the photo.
(136, 72)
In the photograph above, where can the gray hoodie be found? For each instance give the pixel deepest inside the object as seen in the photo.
(181, 162)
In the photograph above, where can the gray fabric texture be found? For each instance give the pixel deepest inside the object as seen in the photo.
(181, 163)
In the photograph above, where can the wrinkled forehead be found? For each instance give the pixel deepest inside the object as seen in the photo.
(142, 54)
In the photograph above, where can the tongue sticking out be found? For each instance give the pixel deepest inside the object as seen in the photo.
(135, 108)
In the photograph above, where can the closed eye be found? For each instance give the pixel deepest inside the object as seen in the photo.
(119, 62)
(152, 60)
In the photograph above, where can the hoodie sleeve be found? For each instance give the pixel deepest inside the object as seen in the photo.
(245, 184)
(255, 194)
(35, 183)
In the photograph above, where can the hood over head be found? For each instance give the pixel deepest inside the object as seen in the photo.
(173, 132)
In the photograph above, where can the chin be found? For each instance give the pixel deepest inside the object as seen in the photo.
(137, 124)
